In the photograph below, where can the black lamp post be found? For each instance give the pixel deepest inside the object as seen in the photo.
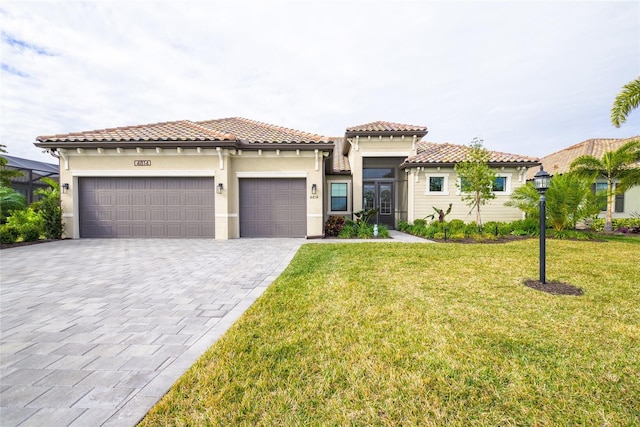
(541, 182)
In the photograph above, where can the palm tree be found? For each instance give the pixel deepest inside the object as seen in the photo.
(627, 100)
(617, 167)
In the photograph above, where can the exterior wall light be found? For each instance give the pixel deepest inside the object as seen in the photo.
(219, 188)
(65, 188)
(314, 188)
(542, 181)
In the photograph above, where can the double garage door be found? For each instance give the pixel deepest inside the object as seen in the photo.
(185, 207)
(147, 207)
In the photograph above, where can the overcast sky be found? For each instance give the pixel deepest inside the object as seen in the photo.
(527, 77)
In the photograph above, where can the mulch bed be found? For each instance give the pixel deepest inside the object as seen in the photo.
(16, 245)
(555, 288)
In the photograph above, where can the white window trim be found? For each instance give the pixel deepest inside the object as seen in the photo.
(348, 210)
(445, 184)
(507, 184)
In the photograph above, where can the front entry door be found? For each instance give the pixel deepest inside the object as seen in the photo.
(379, 195)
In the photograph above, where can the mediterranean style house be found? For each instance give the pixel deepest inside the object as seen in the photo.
(234, 177)
(627, 203)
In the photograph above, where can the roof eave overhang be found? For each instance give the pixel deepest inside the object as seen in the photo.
(240, 145)
(452, 164)
(417, 133)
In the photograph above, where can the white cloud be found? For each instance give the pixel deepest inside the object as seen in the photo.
(528, 77)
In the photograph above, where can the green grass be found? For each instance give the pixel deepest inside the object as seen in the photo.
(412, 334)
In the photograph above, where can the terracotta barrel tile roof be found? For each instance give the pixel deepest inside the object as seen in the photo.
(560, 161)
(445, 153)
(340, 161)
(382, 127)
(257, 132)
(182, 130)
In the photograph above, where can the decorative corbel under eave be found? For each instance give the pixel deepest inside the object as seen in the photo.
(219, 150)
(316, 156)
(63, 153)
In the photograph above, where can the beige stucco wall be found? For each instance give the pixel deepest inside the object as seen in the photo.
(421, 202)
(223, 165)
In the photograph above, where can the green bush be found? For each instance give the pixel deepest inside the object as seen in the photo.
(569, 234)
(383, 232)
(49, 209)
(403, 226)
(455, 225)
(8, 234)
(619, 224)
(526, 227)
(30, 233)
(419, 223)
(349, 230)
(26, 218)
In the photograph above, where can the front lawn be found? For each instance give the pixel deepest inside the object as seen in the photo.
(427, 334)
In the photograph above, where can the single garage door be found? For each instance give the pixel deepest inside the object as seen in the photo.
(146, 207)
(273, 207)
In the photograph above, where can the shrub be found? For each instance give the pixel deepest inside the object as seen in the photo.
(349, 230)
(48, 207)
(525, 227)
(8, 234)
(569, 234)
(364, 231)
(383, 232)
(30, 233)
(404, 226)
(455, 225)
(419, 223)
(26, 218)
(334, 225)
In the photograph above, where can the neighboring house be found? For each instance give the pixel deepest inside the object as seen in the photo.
(559, 162)
(235, 177)
(32, 173)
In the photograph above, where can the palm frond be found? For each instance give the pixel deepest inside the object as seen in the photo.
(628, 99)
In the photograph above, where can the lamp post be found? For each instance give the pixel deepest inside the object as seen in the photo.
(541, 182)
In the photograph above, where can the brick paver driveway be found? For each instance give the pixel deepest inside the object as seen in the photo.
(94, 332)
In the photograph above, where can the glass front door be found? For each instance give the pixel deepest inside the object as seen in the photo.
(379, 195)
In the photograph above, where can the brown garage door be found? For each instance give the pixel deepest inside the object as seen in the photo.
(273, 207)
(146, 207)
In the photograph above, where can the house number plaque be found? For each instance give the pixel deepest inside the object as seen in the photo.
(142, 163)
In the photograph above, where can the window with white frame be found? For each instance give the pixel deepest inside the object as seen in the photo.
(339, 197)
(437, 184)
(502, 184)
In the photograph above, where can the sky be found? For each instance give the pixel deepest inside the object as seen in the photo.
(527, 78)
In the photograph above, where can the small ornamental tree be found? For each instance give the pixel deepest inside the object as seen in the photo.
(476, 178)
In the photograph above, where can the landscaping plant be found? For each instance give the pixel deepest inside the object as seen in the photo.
(476, 178)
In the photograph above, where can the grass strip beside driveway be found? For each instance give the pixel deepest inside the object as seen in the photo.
(405, 334)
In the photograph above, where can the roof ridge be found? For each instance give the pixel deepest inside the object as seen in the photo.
(213, 132)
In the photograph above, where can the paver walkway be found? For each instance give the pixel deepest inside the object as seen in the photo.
(93, 332)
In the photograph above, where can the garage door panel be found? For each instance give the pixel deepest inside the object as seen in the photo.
(147, 207)
(273, 207)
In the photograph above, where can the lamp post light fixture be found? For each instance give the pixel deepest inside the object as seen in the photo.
(542, 181)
